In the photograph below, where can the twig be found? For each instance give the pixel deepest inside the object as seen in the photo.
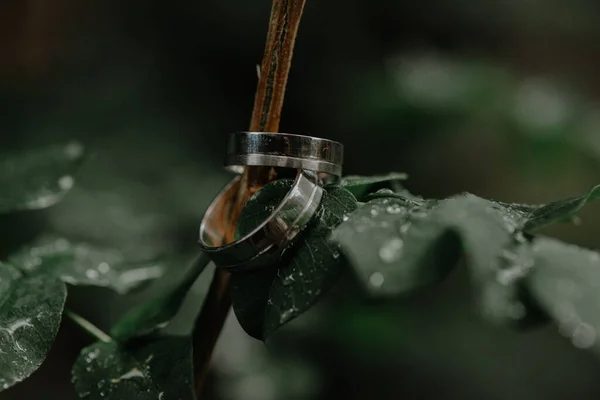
(88, 326)
(268, 102)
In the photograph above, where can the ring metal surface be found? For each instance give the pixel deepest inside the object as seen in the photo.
(272, 236)
(284, 150)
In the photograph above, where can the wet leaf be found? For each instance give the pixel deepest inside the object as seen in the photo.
(38, 178)
(566, 284)
(151, 316)
(558, 211)
(150, 368)
(397, 245)
(84, 264)
(266, 299)
(360, 186)
(30, 314)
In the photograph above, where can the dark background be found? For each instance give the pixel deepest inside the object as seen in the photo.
(494, 97)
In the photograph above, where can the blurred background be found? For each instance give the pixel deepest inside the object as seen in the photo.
(499, 98)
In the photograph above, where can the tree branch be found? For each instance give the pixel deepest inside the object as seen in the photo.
(268, 102)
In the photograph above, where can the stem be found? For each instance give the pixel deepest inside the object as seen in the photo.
(88, 326)
(268, 102)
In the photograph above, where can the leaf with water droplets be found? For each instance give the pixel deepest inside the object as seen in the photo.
(266, 299)
(38, 178)
(361, 186)
(558, 211)
(30, 314)
(397, 245)
(84, 264)
(151, 316)
(150, 368)
(566, 284)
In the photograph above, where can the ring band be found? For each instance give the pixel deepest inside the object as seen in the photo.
(284, 150)
(271, 236)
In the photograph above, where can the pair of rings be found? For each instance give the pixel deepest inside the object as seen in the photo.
(318, 161)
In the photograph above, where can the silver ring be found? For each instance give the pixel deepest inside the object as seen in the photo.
(272, 236)
(284, 150)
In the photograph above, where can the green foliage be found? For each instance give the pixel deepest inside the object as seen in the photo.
(361, 186)
(149, 369)
(39, 178)
(266, 299)
(85, 264)
(565, 284)
(393, 241)
(149, 317)
(30, 313)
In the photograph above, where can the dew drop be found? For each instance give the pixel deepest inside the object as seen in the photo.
(376, 279)
(287, 315)
(391, 250)
(374, 212)
(345, 218)
(385, 191)
(288, 280)
(584, 336)
(394, 209)
(66, 182)
(92, 274)
(405, 228)
(74, 150)
(103, 267)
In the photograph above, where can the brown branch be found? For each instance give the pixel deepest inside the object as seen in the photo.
(268, 102)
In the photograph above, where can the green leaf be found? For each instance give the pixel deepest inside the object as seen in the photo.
(268, 298)
(565, 282)
(558, 211)
(361, 186)
(84, 264)
(396, 245)
(151, 316)
(38, 178)
(149, 368)
(30, 314)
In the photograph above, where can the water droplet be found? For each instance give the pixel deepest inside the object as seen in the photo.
(66, 182)
(374, 212)
(92, 355)
(509, 275)
(393, 209)
(5, 386)
(584, 336)
(92, 274)
(287, 315)
(103, 267)
(385, 191)
(391, 250)
(288, 280)
(345, 218)
(74, 150)
(376, 279)
(336, 255)
(134, 373)
(405, 228)
(13, 327)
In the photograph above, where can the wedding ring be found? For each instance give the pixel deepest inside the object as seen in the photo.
(284, 150)
(271, 236)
